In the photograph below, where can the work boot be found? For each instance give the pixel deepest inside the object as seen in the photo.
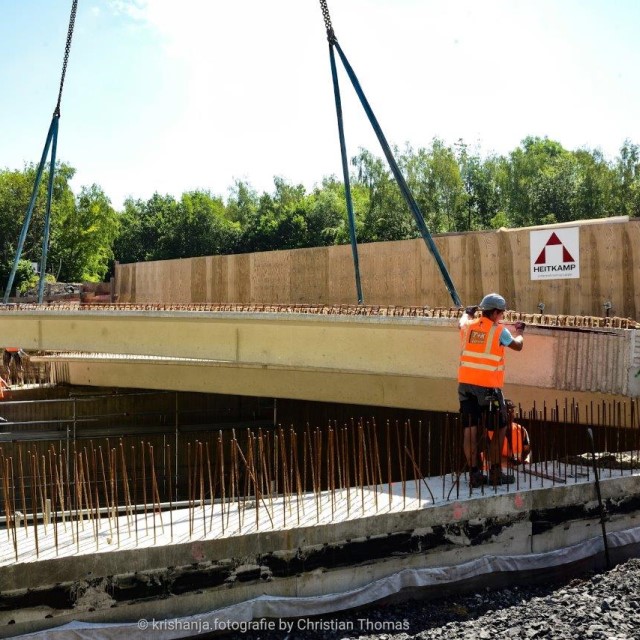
(477, 479)
(496, 477)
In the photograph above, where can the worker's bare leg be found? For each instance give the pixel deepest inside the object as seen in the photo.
(471, 454)
(470, 446)
(496, 476)
(495, 448)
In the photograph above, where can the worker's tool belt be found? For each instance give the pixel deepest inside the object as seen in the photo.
(496, 401)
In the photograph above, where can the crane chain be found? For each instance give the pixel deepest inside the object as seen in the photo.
(331, 36)
(67, 49)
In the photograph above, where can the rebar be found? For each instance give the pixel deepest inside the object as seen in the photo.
(343, 464)
(169, 484)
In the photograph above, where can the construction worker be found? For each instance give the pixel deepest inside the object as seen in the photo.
(12, 360)
(480, 382)
(516, 448)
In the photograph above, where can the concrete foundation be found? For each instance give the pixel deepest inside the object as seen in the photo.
(346, 549)
(341, 562)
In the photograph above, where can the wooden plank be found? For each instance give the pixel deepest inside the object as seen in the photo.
(217, 279)
(389, 271)
(309, 276)
(630, 243)
(199, 290)
(270, 277)
(341, 277)
(405, 273)
(172, 279)
(238, 278)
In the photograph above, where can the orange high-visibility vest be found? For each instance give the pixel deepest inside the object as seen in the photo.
(481, 355)
(12, 349)
(516, 448)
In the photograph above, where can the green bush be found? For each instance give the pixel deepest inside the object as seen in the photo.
(27, 279)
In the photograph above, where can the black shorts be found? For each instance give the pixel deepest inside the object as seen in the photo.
(477, 409)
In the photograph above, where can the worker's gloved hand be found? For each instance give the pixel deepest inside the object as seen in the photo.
(471, 311)
(520, 326)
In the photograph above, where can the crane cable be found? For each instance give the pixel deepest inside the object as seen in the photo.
(351, 218)
(51, 141)
(67, 49)
(393, 165)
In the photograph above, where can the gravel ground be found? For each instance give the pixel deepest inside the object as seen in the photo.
(602, 605)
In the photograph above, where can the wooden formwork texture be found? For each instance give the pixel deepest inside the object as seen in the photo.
(405, 273)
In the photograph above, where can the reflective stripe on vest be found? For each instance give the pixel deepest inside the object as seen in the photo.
(481, 354)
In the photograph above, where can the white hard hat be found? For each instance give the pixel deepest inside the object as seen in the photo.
(493, 301)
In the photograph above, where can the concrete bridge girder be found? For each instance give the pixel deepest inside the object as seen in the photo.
(388, 361)
(357, 344)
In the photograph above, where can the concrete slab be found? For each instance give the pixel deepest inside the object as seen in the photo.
(303, 547)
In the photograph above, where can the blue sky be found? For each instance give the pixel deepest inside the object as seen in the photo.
(171, 96)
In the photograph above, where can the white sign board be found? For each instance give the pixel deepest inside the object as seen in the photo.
(555, 253)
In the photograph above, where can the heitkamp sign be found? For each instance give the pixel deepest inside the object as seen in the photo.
(555, 253)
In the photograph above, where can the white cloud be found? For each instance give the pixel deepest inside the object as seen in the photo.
(242, 88)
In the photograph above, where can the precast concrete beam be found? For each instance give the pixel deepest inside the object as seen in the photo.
(318, 385)
(389, 361)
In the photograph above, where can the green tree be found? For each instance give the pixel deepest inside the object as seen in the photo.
(16, 188)
(539, 183)
(434, 179)
(481, 179)
(141, 225)
(242, 203)
(627, 191)
(82, 237)
(423, 181)
(279, 221)
(327, 221)
(594, 195)
(447, 198)
(198, 226)
(386, 216)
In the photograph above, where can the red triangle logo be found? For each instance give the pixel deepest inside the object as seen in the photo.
(553, 240)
